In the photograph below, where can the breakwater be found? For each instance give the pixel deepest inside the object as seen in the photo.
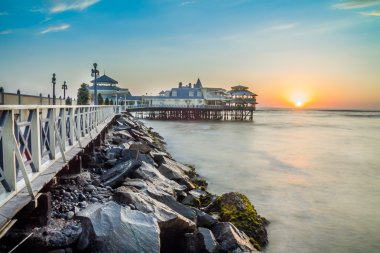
(132, 196)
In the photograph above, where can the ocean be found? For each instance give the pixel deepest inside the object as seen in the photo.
(315, 175)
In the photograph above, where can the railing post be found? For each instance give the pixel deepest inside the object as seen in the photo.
(8, 150)
(63, 128)
(71, 125)
(52, 114)
(35, 132)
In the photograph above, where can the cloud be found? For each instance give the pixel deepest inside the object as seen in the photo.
(356, 4)
(56, 28)
(186, 3)
(77, 5)
(371, 13)
(5, 32)
(282, 26)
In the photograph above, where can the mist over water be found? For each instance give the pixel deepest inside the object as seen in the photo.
(314, 174)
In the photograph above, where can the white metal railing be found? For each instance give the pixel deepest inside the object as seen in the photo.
(33, 137)
(143, 106)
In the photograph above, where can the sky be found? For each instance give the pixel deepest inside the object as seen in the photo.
(323, 54)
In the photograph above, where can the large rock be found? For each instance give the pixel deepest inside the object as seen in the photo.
(142, 148)
(231, 239)
(209, 241)
(117, 174)
(171, 170)
(237, 209)
(151, 174)
(173, 225)
(120, 229)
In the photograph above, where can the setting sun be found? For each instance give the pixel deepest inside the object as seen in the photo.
(299, 104)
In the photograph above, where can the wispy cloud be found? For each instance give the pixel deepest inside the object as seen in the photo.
(5, 32)
(285, 26)
(3, 13)
(184, 3)
(356, 4)
(371, 13)
(56, 28)
(68, 5)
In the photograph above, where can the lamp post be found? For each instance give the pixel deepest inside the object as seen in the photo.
(64, 88)
(95, 72)
(53, 82)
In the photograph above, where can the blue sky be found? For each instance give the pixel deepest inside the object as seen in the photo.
(276, 47)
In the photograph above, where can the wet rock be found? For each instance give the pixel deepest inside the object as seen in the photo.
(57, 251)
(117, 174)
(147, 159)
(193, 243)
(237, 209)
(89, 188)
(173, 225)
(231, 239)
(190, 200)
(209, 241)
(128, 154)
(70, 215)
(120, 229)
(142, 148)
(204, 219)
(175, 173)
(150, 174)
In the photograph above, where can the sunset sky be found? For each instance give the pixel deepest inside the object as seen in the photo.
(323, 54)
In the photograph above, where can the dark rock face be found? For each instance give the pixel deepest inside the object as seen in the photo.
(236, 208)
(209, 241)
(120, 229)
(231, 239)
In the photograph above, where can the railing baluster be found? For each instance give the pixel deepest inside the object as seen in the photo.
(9, 162)
(36, 139)
(52, 143)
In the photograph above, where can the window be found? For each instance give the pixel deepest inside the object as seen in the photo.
(199, 94)
(191, 93)
(174, 93)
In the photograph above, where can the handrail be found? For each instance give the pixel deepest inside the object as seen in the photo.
(32, 137)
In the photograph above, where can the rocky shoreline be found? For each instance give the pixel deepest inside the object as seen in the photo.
(132, 196)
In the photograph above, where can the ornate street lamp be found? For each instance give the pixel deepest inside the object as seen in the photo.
(53, 82)
(64, 88)
(94, 73)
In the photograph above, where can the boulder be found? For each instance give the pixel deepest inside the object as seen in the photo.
(147, 159)
(231, 239)
(209, 241)
(204, 219)
(117, 174)
(237, 209)
(173, 226)
(120, 229)
(142, 148)
(173, 172)
(150, 174)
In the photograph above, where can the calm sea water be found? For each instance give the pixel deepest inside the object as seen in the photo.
(314, 174)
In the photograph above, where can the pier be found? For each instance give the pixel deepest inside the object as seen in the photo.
(192, 112)
(36, 143)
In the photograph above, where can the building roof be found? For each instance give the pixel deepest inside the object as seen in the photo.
(198, 84)
(183, 93)
(242, 92)
(239, 87)
(105, 79)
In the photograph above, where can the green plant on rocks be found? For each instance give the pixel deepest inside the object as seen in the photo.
(236, 208)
